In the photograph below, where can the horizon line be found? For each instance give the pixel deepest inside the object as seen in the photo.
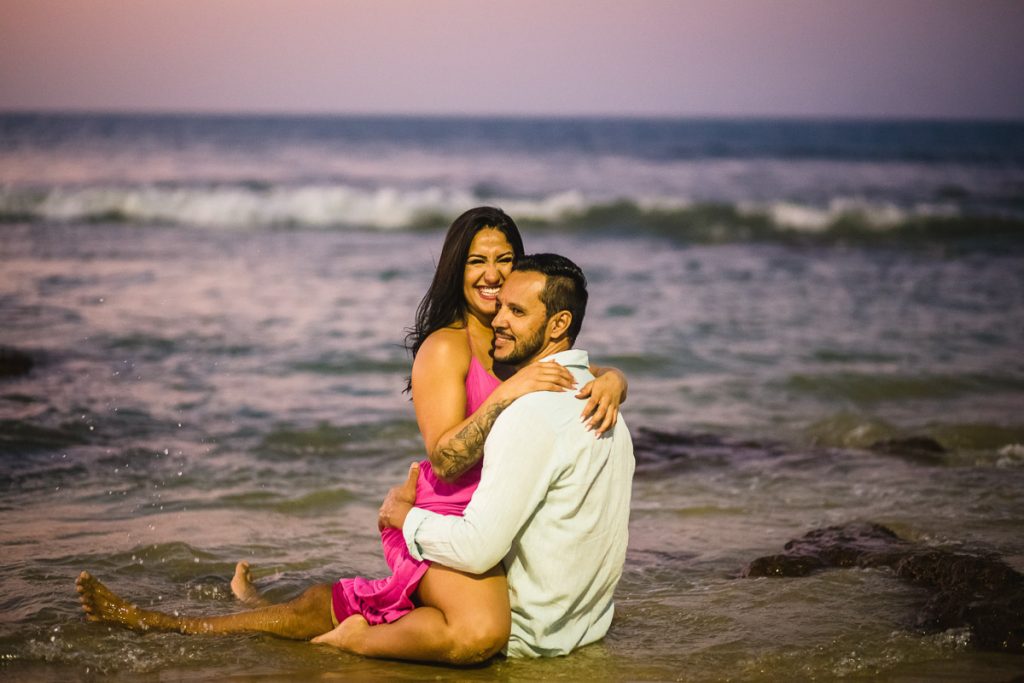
(622, 116)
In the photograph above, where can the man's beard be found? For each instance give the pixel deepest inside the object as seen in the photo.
(524, 349)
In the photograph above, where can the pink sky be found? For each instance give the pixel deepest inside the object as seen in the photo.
(917, 58)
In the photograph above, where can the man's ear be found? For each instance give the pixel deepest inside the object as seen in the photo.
(558, 325)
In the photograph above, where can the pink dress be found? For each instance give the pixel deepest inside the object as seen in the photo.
(386, 600)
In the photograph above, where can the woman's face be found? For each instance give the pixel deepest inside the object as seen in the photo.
(488, 263)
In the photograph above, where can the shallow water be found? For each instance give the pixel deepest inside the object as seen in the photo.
(201, 397)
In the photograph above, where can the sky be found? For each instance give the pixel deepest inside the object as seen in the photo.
(737, 58)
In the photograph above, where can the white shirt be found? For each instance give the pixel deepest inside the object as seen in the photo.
(553, 506)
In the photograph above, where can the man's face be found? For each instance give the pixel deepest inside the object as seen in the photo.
(521, 321)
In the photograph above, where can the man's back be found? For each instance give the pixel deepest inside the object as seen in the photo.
(553, 505)
(565, 563)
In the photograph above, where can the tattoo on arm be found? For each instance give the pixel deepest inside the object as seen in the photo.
(467, 447)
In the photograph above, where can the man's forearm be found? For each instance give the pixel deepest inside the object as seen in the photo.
(453, 541)
(520, 463)
(459, 453)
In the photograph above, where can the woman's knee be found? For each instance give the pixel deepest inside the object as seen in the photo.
(480, 639)
(475, 609)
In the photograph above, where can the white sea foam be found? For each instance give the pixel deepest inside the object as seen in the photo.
(1011, 455)
(325, 205)
(876, 215)
(236, 207)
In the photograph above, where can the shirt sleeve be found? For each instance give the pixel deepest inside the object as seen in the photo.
(519, 465)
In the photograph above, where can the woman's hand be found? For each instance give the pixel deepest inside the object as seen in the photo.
(545, 376)
(607, 392)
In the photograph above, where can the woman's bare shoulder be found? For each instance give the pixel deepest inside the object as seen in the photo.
(447, 345)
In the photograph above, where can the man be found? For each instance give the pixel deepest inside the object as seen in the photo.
(553, 500)
(552, 505)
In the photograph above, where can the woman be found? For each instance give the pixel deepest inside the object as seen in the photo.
(423, 611)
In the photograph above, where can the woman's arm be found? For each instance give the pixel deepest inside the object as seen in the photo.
(607, 391)
(455, 442)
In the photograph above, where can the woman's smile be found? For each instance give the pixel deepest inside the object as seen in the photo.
(488, 292)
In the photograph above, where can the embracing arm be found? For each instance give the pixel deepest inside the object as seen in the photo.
(455, 442)
(514, 482)
(457, 451)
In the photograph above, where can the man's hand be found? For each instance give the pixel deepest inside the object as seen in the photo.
(399, 501)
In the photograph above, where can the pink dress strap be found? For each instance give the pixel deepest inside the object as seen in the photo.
(479, 385)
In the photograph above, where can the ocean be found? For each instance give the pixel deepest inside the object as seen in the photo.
(824, 317)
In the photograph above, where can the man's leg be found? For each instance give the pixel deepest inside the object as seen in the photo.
(244, 589)
(302, 618)
(465, 619)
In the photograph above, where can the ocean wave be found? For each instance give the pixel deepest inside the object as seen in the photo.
(950, 443)
(335, 206)
(231, 206)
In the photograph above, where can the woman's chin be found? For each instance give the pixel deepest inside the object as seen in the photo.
(484, 310)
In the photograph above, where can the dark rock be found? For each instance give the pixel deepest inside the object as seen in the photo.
(14, 363)
(657, 452)
(976, 590)
(17, 436)
(784, 565)
(919, 448)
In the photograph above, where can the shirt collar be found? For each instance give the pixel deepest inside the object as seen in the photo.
(571, 357)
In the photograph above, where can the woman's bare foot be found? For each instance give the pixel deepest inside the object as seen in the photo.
(347, 635)
(243, 587)
(101, 604)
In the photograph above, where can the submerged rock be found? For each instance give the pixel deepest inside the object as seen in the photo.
(975, 590)
(18, 436)
(659, 451)
(919, 448)
(14, 363)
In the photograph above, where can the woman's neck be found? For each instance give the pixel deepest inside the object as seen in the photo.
(482, 337)
(479, 326)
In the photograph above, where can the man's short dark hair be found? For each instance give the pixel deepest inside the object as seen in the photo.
(565, 287)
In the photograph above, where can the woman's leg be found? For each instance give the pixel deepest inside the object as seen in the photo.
(465, 619)
(302, 618)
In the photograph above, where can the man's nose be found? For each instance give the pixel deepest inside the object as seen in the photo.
(498, 321)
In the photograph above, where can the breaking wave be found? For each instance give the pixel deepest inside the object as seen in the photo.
(242, 206)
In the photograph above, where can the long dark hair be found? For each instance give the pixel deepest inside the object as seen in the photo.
(444, 302)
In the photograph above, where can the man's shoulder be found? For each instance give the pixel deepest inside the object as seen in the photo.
(552, 411)
(533, 411)
(530, 405)
(545, 401)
